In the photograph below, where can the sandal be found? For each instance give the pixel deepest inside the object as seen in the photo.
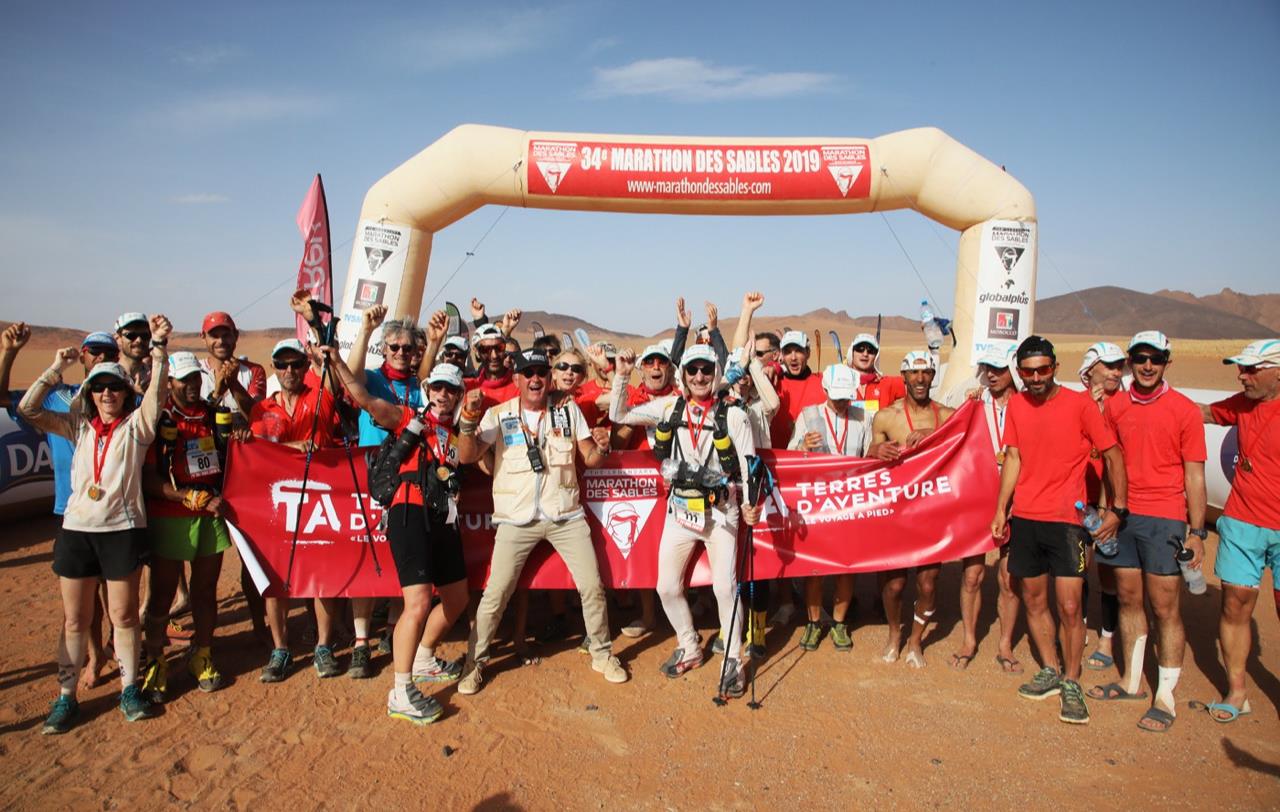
(1159, 716)
(1112, 692)
(1008, 665)
(960, 662)
(1097, 661)
(1214, 708)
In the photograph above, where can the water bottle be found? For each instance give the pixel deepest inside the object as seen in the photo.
(1193, 577)
(813, 422)
(932, 332)
(1092, 521)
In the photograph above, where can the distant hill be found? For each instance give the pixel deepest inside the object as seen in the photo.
(1119, 311)
(1263, 308)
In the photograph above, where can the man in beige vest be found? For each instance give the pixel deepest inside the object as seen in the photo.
(535, 497)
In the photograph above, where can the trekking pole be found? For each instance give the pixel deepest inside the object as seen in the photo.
(721, 698)
(355, 485)
(756, 481)
(306, 473)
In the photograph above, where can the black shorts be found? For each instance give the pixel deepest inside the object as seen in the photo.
(114, 555)
(425, 549)
(1057, 548)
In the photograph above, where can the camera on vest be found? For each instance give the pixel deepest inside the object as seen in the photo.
(443, 484)
(535, 458)
(685, 475)
(407, 441)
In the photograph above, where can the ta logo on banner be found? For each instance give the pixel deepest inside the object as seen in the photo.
(317, 512)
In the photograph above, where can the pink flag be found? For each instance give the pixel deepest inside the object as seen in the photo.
(315, 272)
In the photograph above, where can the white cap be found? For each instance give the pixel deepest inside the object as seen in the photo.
(1103, 351)
(918, 359)
(864, 338)
(699, 352)
(460, 342)
(131, 318)
(1153, 339)
(447, 374)
(1264, 353)
(105, 369)
(656, 349)
(797, 338)
(997, 356)
(666, 344)
(838, 382)
(182, 364)
(489, 332)
(288, 344)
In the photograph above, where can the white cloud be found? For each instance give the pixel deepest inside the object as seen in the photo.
(199, 198)
(481, 38)
(205, 57)
(229, 109)
(690, 79)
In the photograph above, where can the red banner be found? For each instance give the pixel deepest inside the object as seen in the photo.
(699, 171)
(315, 272)
(842, 515)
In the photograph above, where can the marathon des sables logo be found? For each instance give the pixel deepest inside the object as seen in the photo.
(325, 517)
(553, 160)
(621, 499)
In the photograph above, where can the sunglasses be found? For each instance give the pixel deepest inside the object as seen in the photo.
(454, 351)
(536, 372)
(103, 352)
(298, 365)
(440, 386)
(1250, 369)
(577, 369)
(987, 369)
(116, 386)
(1138, 359)
(395, 348)
(1042, 371)
(763, 353)
(134, 336)
(864, 348)
(706, 370)
(654, 361)
(494, 349)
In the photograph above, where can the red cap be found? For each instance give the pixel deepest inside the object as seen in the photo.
(217, 319)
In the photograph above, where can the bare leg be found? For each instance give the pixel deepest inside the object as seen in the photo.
(78, 598)
(204, 597)
(1109, 623)
(165, 574)
(453, 603)
(922, 611)
(97, 658)
(408, 629)
(1164, 591)
(892, 583)
(1133, 625)
(1236, 640)
(1035, 597)
(1067, 592)
(813, 598)
(328, 610)
(974, 568)
(843, 598)
(278, 620)
(256, 604)
(1007, 609)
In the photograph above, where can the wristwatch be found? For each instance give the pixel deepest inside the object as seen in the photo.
(159, 344)
(1199, 532)
(1121, 513)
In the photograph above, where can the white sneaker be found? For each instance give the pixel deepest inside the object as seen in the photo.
(612, 669)
(408, 703)
(471, 680)
(637, 629)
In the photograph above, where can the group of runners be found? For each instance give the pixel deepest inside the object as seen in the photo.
(139, 449)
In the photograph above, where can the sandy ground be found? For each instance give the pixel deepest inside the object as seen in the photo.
(834, 730)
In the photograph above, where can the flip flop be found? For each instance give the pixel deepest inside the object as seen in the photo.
(960, 662)
(1157, 715)
(1009, 665)
(1097, 661)
(914, 660)
(1113, 692)
(1233, 713)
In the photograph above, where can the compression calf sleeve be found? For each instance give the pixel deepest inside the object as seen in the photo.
(1133, 672)
(1110, 613)
(71, 652)
(126, 641)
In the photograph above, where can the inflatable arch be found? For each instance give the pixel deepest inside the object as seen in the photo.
(922, 169)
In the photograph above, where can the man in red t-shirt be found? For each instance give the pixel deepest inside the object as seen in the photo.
(287, 417)
(798, 388)
(1162, 440)
(226, 380)
(1048, 433)
(1249, 530)
(495, 380)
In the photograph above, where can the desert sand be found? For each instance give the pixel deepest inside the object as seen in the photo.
(834, 730)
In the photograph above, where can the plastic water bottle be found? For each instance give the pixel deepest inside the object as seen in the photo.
(1193, 577)
(1092, 521)
(932, 332)
(813, 422)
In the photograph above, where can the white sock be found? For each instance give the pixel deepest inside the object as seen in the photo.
(403, 679)
(1164, 691)
(126, 641)
(362, 627)
(423, 658)
(1107, 633)
(1133, 674)
(70, 656)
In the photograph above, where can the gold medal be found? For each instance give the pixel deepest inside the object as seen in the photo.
(1245, 464)
(442, 473)
(94, 492)
(1000, 457)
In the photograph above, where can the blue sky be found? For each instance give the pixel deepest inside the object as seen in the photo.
(153, 157)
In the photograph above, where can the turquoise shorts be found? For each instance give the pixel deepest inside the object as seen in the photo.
(1244, 551)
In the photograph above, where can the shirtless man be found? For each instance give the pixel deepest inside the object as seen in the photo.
(895, 430)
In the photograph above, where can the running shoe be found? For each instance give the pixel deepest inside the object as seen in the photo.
(1074, 710)
(134, 705)
(438, 670)
(612, 669)
(62, 714)
(408, 703)
(717, 645)
(325, 663)
(1046, 683)
(471, 680)
(384, 645)
(584, 647)
(200, 665)
(840, 637)
(155, 680)
(278, 666)
(359, 668)
(733, 682)
(812, 636)
(678, 664)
